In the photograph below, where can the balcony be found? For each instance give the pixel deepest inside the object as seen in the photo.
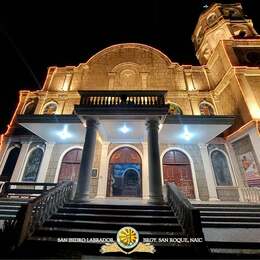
(122, 102)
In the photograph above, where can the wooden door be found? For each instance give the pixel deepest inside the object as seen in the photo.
(69, 169)
(176, 168)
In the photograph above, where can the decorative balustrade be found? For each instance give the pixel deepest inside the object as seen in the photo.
(187, 216)
(250, 194)
(122, 98)
(32, 215)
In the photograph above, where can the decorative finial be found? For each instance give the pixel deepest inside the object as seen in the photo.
(205, 6)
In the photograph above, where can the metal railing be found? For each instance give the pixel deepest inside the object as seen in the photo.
(33, 214)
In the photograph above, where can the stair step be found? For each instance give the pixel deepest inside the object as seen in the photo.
(230, 224)
(12, 203)
(8, 212)
(234, 244)
(125, 211)
(7, 216)
(230, 218)
(114, 217)
(242, 209)
(115, 206)
(229, 213)
(228, 205)
(80, 224)
(81, 233)
(4, 206)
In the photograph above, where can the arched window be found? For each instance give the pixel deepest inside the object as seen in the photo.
(10, 163)
(206, 109)
(221, 169)
(33, 165)
(30, 106)
(50, 108)
(174, 109)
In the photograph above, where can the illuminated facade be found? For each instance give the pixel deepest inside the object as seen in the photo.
(98, 122)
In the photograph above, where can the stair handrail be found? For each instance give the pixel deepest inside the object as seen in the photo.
(187, 215)
(37, 211)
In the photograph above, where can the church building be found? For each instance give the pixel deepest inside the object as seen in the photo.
(130, 119)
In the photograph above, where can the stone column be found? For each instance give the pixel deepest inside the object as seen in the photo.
(154, 166)
(103, 172)
(85, 171)
(208, 172)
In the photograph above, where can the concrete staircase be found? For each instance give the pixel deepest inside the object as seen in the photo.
(9, 207)
(231, 228)
(89, 220)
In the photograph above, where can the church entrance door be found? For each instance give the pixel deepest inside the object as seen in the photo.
(70, 164)
(177, 169)
(124, 176)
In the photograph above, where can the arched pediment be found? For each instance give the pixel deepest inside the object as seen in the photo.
(123, 46)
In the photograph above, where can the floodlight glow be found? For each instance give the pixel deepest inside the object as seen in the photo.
(124, 129)
(64, 134)
(186, 135)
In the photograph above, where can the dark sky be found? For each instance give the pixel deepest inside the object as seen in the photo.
(38, 34)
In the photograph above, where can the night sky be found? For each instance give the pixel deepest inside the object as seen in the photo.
(39, 34)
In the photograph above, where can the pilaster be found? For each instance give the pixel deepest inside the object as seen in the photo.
(103, 172)
(210, 178)
(45, 162)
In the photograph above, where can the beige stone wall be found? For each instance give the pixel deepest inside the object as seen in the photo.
(227, 102)
(58, 151)
(126, 66)
(228, 193)
(254, 82)
(138, 66)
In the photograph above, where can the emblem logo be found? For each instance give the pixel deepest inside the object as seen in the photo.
(127, 242)
(127, 237)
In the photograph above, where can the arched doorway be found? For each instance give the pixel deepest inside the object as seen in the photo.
(10, 164)
(69, 169)
(125, 176)
(177, 169)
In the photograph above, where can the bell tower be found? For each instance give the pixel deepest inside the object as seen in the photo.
(220, 22)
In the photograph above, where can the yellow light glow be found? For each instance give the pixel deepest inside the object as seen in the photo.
(255, 111)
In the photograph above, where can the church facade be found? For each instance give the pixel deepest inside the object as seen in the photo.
(129, 119)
